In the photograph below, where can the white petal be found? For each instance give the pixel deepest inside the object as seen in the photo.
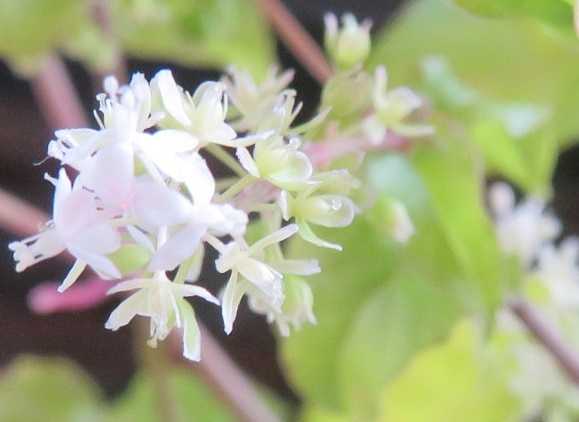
(187, 290)
(308, 235)
(99, 239)
(199, 180)
(247, 161)
(99, 263)
(273, 238)
(156, 205)
(197, 264)
(171, 96)
(141, 238)
(75, 213)
(61, 193)
(261, 275)
(137, 283)
(127, 310)
(232, 295)
(297, 266)
(109, 174)
(191, 333)
(176, 141)
(72, 275)
(177, 249)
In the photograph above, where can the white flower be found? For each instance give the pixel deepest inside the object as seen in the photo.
(253, 101)
(393, 110)
(243, 260)
(522, 229)
(126, 112)
(78, 227)
(296, 310)
(109, 176)
(281, 163)
(163, 302)
(559, 272)
(349, 45)
(315, 206)
(202, 115)
(204, 217)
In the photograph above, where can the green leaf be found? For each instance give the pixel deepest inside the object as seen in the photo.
(310, 354)
(191, 398)
(556, 13)
(511, 61)
(455, 182)
(396, 322)
(34, 389)
(212, 33)
(452, 382)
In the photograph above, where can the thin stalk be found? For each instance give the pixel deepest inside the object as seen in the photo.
(297, 39)
(222, 155)
(56, 96)
(546, 334)
(157, 367)
(237, 187)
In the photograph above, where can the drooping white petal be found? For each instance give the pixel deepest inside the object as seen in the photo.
(231, 298)
(191, 332)
(123, 314)
(308, 235)
(178, 248)
(261, 275)
(247, 161)
(61, 193)
(273, 238)
(73, 275)
(125, 286)
(187, 290)
(196, 265)
(140, 238)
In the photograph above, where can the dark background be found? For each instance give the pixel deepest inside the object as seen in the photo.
(108, 356)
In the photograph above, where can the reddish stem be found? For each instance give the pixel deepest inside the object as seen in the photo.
(297, 39)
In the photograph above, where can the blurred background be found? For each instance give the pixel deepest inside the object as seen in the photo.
(509, 60)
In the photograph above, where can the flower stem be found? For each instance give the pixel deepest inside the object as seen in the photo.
(222, 155)
(155, 362)
(237, 187)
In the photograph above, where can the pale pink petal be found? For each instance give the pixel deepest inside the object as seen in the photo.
(177, 249)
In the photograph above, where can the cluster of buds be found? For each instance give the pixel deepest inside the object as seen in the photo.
(144, 205)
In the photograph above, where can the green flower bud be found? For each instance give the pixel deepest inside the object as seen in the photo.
(130, 258)
(349, 45)
(337, 94)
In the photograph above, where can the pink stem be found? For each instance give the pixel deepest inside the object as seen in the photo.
(297, 39)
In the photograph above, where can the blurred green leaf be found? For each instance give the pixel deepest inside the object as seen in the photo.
(212, 33)
(517, 140)
(190, 396)
(34, 389)
(511, 61)
(556, 13)
(455, 181)
(311, 354)
(453, 382)
(396, 322)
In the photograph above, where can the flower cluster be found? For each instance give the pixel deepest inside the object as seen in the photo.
(530, 232)
(144, 203)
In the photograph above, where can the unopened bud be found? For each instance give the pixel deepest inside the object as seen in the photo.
(349, 44)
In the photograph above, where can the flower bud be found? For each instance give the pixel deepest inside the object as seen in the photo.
(337, 94)
(350, 44)
(391, 217)
(299, 302)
